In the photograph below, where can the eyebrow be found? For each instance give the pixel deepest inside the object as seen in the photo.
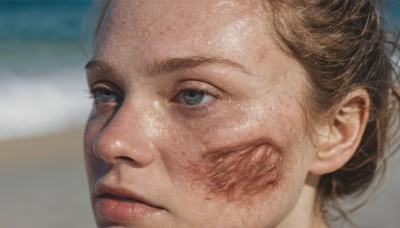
(169, 65)
(101, 66)
(182, 64)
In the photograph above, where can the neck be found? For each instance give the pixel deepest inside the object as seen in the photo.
(306, 213)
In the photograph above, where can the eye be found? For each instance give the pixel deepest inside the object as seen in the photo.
(102, 96)
(193, 97)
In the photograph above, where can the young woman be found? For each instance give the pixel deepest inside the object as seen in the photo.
(234, 113)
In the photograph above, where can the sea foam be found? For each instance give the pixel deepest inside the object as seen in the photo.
(36, 105)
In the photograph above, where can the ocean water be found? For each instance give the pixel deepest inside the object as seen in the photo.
(43, 46)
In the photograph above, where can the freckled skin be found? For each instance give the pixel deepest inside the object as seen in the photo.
(240, 160)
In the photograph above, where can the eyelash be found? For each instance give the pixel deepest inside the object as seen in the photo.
(197, 110)
(93, 95)
(191, 109)
(200, 109)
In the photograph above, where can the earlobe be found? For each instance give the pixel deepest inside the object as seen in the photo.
(339, 139)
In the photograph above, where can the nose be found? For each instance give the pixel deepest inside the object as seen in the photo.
(124, 139)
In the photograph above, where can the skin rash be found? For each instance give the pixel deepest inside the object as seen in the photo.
(241, 171)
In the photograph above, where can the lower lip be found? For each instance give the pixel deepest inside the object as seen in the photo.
(121, 211)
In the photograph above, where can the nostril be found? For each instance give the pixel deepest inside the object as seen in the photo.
(129, 161)
(124, 158)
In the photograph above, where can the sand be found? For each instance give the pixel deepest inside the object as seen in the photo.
(42, 184)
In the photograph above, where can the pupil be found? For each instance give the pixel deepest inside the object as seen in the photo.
(192, 97)
(192, 94)
(105, 96)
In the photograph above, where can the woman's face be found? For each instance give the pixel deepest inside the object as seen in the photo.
(198, 118)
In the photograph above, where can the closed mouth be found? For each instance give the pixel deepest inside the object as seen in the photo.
(119, 198)
(122, 195)
(122, 206)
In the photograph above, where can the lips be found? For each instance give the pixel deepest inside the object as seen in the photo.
(120, 205)
(118, 198)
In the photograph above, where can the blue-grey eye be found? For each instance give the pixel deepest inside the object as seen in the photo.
(106, 96)
(193, 97)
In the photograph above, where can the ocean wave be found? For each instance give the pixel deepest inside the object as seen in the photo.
(36, 105)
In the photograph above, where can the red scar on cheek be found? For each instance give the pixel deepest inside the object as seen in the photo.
(243, 170)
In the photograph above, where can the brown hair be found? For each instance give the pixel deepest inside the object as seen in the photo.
(342, 46)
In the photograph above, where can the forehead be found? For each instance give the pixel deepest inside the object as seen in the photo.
(170, 28)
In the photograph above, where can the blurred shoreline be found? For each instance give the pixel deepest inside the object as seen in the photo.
(38, 148)
(43, 48)
(43, 182)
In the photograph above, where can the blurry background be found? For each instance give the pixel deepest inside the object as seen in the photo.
(43, 107)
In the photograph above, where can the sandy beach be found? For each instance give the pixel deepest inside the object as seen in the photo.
(42, 184)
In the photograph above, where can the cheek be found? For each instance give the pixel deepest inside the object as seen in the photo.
(239, 172)
(93, 164)
(244, 153)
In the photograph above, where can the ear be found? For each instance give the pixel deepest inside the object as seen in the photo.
(339, 137)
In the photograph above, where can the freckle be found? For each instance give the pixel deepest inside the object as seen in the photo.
(261, 56)
(239, 172)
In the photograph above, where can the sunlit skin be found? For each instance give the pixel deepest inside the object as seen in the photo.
(200, 115)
